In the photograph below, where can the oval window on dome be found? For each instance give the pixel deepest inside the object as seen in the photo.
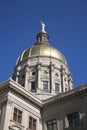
(45, 72)
(56, 75)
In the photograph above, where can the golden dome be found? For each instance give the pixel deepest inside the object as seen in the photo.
(42, 48)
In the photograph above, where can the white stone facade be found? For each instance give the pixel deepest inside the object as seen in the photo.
(13, 95)
(40, 94)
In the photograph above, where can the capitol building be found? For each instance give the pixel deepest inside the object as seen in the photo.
(40, 94)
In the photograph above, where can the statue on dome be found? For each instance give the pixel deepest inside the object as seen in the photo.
(43, 27)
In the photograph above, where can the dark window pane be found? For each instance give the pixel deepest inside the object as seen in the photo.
(17, 115)
(19, 119)
(32, 86)
(73, 119)
(14, 117)
(52, 125)
(45, 85)
(56, 87)
(23, 76)
(33, 73)
(32, 123)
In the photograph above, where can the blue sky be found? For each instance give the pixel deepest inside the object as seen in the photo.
(66, 24)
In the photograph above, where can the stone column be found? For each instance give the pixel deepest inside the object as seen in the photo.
(61, 76)
(6, 115)
(17, 73)
(66, 122)
(24, 122)
(44, 125)
(51, 78)
(70, 81)
(17, 76)
(38, 77)
(26, 77)
(61, 124)
(62, 79)
(40, 124)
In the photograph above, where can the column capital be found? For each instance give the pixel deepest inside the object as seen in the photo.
(39, 65)
(27, 69)
(52, 66)
(17, 73)
(9, 102)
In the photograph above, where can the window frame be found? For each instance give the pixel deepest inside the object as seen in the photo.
(33, 86)
(51, 124)
(73, 119)
(17, 115)
(45, 85)
(57, 85)
(32, 123)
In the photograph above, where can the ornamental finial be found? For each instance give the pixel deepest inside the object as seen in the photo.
(43, 27)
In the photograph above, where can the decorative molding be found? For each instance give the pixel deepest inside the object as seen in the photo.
(27, 69)
(12, 127)
(27, 96)
(66, 96)
(9, 102)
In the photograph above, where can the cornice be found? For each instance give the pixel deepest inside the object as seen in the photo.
(13, 87)
(17, 89)
(79, 92)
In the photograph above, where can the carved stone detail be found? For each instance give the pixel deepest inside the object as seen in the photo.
(9, 102)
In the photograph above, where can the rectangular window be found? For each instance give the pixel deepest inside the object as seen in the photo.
(32, 123)
(73, 119)
(17, 115)
(33, 88)
(45, 85)
(52, 125)
(56, 87)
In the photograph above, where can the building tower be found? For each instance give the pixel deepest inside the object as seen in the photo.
(42, 69)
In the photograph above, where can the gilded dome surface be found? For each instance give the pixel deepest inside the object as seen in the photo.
(42, 48)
